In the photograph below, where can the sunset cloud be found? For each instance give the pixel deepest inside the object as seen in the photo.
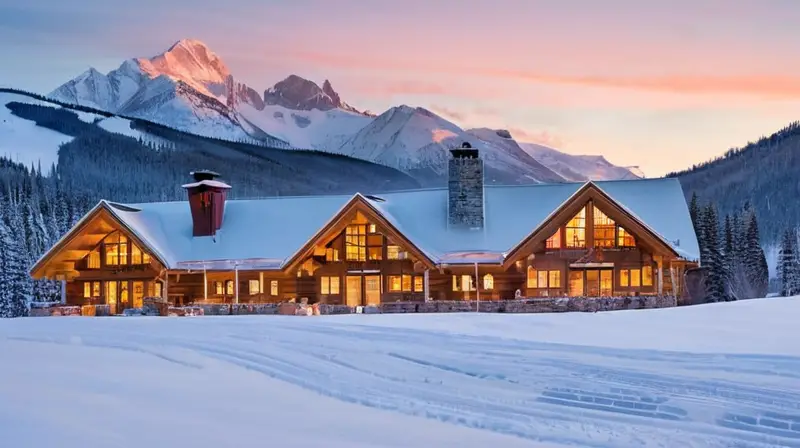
(765, 85)
(762, 85)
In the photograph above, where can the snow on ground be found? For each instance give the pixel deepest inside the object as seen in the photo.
(24, 142)
(711, 376)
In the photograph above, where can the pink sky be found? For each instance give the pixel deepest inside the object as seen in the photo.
(661, 85)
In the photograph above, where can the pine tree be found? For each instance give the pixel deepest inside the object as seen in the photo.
(694, 212)
(754, 258)
(14, 284)
(728, 257)
(789, 265)
(715, 277)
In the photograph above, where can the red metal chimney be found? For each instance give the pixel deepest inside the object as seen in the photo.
(207, 202)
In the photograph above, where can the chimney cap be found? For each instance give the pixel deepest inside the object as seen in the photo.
(201, 175)
(465, 151)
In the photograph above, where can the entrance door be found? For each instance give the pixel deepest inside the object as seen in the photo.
(353, 292)
(593, 283)
(124, 297)
(606, 283)
(138, 294)
(373, 289)
(576, 283)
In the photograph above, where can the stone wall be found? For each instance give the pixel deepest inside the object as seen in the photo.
(533, 305)
(55, 311)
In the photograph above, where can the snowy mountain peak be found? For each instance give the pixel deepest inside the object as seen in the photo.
(192, 62)
(298, 93)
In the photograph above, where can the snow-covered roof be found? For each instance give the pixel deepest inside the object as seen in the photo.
(266, 233)
(207, 183)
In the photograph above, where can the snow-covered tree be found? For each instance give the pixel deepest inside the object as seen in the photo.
(755, 259)
(15, 291)
(694, 210)
(789, 264)
(712, 258)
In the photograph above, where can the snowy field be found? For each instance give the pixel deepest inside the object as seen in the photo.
(721, 375)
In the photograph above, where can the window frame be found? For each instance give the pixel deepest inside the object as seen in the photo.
(256, 290)
(273, 288)
(554, 242)
(602, 224)
(576, 226)
(326, 282)
(355, 242)
(488, 282)
(625, 238)
(531, 278)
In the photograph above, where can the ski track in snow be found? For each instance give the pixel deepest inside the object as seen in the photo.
(545, 392)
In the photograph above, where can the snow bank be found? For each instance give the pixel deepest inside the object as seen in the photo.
(713, 376)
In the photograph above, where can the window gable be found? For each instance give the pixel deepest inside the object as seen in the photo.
(116, 249)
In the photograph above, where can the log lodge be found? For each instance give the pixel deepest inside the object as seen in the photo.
(466, 241)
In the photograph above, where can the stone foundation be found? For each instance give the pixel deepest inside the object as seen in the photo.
(533, 305)
(55, 311)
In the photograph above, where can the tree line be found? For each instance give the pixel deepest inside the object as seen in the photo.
(730, 252)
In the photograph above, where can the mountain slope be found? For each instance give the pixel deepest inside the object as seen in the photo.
(418, 141)
(579, 168)
(22, 140)
(190, 88)
(98, 156)
(765, 174)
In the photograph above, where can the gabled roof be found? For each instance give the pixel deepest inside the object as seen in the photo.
(270, 232)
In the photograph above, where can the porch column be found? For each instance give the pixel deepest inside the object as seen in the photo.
(63, 291)
(261, 285)
(205, 283)
(236, 283)
(426, 285)
(477, 289)
(660, 262)
(165, 292)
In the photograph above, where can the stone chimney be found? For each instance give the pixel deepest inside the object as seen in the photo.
(465, 188)
(207, 202)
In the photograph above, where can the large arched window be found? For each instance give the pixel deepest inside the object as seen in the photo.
(488, 282)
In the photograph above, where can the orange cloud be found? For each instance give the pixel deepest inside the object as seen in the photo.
(774, 86)
(766, 85)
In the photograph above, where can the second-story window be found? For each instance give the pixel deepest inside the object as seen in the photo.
(576, 230)
(554, 242)
(603, 229)
(355, 240)
(116, 247)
